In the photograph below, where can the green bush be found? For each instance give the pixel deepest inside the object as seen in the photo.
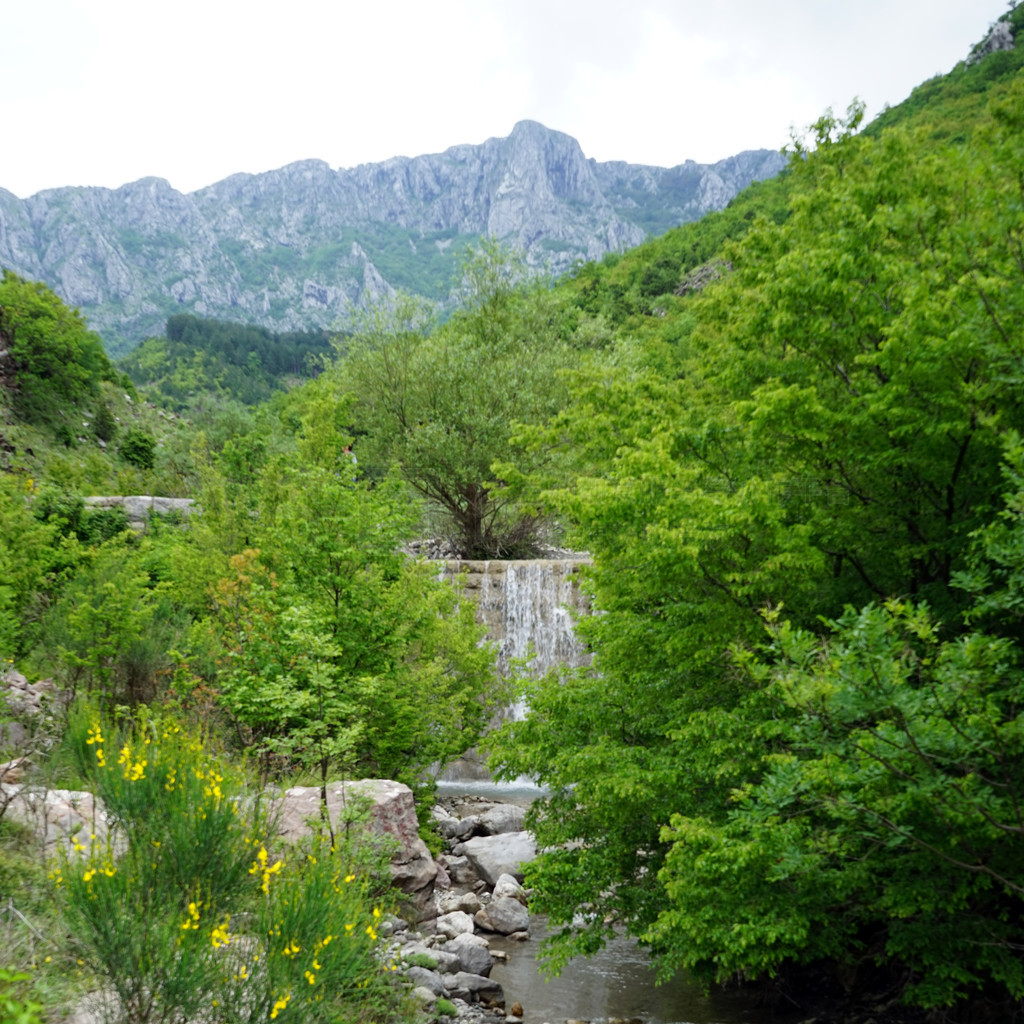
(138, 449)
(16, 1006)
(445, 1008)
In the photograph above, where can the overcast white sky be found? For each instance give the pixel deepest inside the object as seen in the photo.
(102, 92)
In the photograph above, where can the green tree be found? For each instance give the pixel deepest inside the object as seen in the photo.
(33, 556)
(330, 647)
(830, 433)
(56, 359)
(138, 448)
(440, 403)
(109, 631)
(104, 426)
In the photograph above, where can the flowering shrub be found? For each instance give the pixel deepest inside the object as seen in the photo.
(187, 915)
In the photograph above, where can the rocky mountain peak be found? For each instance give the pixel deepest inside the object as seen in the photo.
(297, 247)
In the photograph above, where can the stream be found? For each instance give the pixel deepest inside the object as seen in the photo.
(617, 982)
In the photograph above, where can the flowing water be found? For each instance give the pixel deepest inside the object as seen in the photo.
(616, 982)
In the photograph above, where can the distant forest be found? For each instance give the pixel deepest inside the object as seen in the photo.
(242, 360)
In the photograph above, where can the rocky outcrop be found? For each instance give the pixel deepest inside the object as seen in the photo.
(138, 508)
(1000, 37)
(391, 815)
(299, 247)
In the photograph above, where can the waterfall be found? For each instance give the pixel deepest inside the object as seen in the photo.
(528, 608)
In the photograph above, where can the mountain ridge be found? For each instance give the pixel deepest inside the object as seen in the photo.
(300, 246)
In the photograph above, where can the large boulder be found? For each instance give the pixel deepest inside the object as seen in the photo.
(494, 856)
(474, 988)
(455, 923)
(473, 955)
(504, 915)
(390, 814)
(72, 820)
(465, 901)
(421, 976)
(508, 886)
(501, 818)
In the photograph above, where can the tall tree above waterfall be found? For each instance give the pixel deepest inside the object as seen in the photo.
(442, 402)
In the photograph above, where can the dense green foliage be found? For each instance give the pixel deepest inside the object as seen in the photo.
(439, 402)
(823, 428)
(244, 362)
(791, 437)
(55, 361)
(329, 649)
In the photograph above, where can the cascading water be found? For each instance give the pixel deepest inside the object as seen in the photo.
(528, 608)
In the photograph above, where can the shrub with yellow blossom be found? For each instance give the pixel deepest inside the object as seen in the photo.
(197, 918)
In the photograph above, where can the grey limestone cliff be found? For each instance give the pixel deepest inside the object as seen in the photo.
(301, 246)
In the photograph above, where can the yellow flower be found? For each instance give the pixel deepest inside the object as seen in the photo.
(259, 867)
(280, 1004)
(192, 918)
(95, 734)
(220, 936)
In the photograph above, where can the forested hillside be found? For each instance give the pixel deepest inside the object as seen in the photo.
(799, 472)
(791, 436)
(197, 355)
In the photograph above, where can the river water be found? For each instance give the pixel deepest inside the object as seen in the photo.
(616, 982)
